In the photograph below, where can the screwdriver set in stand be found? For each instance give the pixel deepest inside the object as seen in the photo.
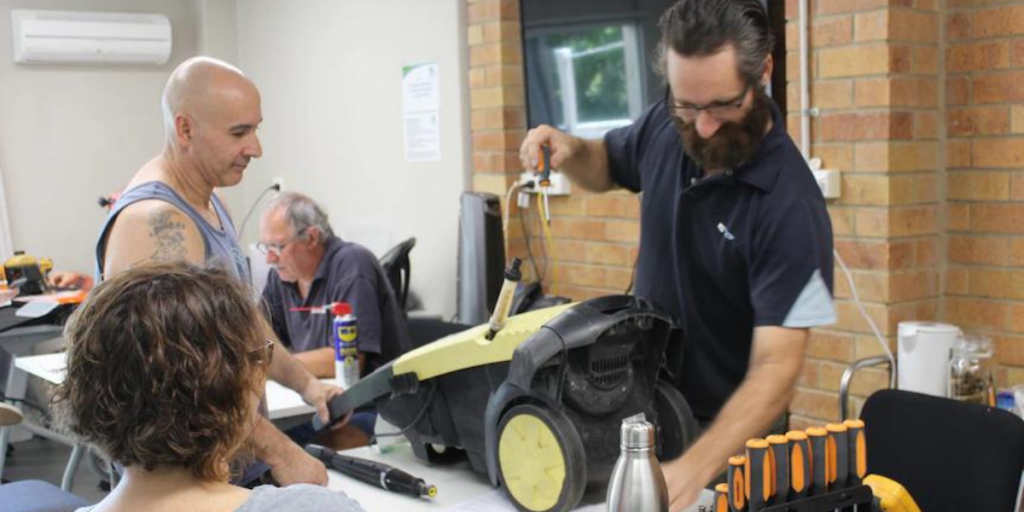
(817, 470)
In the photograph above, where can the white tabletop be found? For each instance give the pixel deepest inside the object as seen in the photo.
(459, 488)
(281, 401)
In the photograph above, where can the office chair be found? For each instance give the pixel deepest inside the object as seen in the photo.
(950, 455)
(397, 267)
(33, 495)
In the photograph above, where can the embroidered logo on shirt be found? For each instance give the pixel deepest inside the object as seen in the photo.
(725, 232)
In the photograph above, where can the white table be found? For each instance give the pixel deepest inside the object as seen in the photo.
(281, 403)
(459, 488)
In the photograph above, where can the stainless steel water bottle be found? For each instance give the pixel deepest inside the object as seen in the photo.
(637, 484)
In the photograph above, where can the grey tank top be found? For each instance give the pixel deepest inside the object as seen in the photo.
(221, 244)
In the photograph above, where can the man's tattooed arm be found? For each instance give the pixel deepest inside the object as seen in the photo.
(168, 235)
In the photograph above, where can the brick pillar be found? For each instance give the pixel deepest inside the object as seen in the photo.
(985, 187)
(874, 68)
(496, 98)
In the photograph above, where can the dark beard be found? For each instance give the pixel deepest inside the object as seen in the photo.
(734, 143)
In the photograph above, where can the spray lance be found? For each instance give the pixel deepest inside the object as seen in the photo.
(504, 305)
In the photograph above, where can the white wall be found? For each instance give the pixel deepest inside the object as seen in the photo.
(69, 134)
(330, 74)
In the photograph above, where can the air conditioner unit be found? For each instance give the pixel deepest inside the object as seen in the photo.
(68, 37)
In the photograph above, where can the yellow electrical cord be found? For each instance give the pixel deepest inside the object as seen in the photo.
(552, 255)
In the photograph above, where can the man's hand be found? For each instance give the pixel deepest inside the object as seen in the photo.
(775, 362)
(298, 467)
(70, 280)
(563, 147)
(317, 394)
(583, 161)
(684, 484)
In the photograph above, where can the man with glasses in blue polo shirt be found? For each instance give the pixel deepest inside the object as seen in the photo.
(736, 241)
(312, 267)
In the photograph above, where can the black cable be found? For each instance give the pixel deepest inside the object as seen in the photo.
(276, 187)
(526, 236)
(415, 420)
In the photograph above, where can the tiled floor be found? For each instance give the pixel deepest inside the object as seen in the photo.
(42, 459)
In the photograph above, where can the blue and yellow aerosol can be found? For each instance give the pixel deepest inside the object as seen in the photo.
(346, 345)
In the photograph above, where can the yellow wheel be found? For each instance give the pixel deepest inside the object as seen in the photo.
(541, 459)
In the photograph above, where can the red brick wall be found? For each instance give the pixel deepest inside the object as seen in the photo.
(985, 181)
(874, 78)
(931, 220)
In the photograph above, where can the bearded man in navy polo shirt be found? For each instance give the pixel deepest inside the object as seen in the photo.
(736, 241)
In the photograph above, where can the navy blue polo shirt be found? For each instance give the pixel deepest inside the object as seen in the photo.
(348, 272)
(725, 253)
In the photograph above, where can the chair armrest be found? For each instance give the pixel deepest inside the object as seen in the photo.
(844, 383)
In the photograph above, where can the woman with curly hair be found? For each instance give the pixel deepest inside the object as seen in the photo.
(166, 364)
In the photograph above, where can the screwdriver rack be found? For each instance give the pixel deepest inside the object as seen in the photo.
(858, 498)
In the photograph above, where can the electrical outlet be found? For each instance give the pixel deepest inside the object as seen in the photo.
(560, 184)
(828, 180)
(279, 181)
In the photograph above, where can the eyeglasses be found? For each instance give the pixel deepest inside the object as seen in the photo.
(263, 355)
(718, 110)
(276, 249)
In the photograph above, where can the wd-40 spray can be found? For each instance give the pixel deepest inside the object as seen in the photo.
(346, 348)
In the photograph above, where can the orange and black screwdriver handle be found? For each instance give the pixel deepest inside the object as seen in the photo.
(799, 464)
(779, 452)
(839, 455)
(858, 451)
(544, 167)
(818, 438)
(721, 502)
(758, 475)
(737, 484)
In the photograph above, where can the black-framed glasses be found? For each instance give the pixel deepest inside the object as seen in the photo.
(276, 249)
(719, 110)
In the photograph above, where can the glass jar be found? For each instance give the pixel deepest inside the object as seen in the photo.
(970, 370)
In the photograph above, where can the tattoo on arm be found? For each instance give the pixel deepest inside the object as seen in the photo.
(169, 235)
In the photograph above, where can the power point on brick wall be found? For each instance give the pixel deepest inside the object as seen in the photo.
(560, 184)
(828, 181)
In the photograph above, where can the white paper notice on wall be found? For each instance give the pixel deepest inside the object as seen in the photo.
(421, 103)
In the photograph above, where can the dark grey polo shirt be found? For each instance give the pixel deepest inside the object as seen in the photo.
(348, 273)
(723, 254)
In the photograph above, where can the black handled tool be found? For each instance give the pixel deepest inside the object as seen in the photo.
(373, 473)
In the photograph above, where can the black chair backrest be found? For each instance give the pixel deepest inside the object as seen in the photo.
(397, 267)
(950, 455)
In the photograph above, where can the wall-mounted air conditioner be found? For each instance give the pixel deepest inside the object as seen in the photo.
(68, 37)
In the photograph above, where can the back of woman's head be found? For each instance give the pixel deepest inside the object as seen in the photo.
(163, 361)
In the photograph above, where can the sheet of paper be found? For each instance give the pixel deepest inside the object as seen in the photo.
(36, 309)
(421, 104)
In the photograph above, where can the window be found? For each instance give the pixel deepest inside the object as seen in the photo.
(586, 79)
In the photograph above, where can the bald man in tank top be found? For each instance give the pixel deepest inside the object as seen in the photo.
(170, 211)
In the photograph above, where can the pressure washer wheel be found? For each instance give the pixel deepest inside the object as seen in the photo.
(540, 459)
(677, 426)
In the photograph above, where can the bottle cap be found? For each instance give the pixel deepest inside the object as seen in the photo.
(341, 309)
(637, 434)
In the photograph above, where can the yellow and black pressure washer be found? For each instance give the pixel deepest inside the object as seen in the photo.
(538, 407)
